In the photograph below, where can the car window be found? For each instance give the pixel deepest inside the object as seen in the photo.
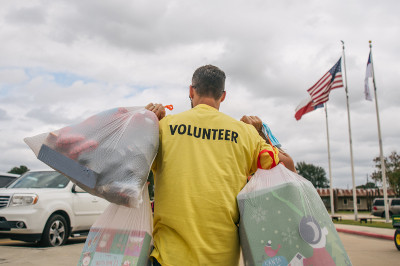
(45, 179)
(5, 180)
(378, 203)
(395, 202)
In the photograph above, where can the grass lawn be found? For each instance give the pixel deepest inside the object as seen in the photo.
(363, 213)
(351, 212)
(373, 224)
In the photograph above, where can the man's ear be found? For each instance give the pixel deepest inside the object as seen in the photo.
(191, 92)
(223, 96)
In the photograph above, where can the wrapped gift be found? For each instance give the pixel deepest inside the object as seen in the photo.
(283, 221)
(121, 236)
(109, 154)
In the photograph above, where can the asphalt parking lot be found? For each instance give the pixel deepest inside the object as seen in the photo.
(362, 250)
(21, 253)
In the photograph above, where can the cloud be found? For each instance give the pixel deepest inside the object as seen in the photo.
(49, 115)
(4, 115)
(26, 15)
(12, 76)
(62, 61)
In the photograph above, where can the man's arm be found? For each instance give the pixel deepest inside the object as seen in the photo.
(257, 123)
(159, 111)
(286, 160)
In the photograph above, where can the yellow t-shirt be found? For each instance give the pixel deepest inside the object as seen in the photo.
(203, 162)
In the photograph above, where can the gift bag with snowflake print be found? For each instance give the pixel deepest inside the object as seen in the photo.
(283, 221)
(121, 236)
(109, 154)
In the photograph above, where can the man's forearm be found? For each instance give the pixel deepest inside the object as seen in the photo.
(287, 161)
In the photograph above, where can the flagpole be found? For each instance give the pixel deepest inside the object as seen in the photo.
(351, 142)
(329, 160)
(383, 166)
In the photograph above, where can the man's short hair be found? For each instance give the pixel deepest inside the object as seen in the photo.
(209, 81)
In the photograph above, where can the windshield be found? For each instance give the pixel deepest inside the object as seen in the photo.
(43, 179)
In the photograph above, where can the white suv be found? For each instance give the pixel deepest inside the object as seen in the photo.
(46, 206)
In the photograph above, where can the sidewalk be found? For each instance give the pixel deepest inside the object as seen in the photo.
(382, 233)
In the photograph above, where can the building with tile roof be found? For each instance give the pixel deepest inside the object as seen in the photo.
(343, 198)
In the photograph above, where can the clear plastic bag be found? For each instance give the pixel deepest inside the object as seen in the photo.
(121, 236)
(108, 155)
(283, 221)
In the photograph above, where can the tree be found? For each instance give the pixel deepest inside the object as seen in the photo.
(392, 164)
(315, 174)
(367, 185)
(19, 170)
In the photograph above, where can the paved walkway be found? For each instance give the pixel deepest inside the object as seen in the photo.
(364, 250)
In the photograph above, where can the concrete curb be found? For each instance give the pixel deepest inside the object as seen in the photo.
(365, 234)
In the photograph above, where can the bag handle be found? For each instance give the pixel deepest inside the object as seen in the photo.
(271, 154)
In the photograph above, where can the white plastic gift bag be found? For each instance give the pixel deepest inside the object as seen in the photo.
(108, 155)
(283, 221)
(121, 236)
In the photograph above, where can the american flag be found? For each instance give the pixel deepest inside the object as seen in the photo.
(331, 80)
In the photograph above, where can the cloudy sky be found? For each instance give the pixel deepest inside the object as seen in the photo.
(62, 61)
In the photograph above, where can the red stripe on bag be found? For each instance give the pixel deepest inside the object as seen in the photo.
(271, 154)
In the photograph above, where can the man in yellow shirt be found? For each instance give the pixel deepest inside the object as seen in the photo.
(203, 162)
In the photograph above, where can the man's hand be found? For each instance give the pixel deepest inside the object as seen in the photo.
(256, 122)
(157, 108)
(283, 156)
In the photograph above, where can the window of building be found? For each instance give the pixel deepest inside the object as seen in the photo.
(344, 201)
(326, 201)
(358, 201)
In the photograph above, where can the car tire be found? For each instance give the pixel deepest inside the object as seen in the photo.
(397, 239)
(384, 215)
(55, 232)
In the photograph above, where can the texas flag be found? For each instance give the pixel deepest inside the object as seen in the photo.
(368, 74)
(306, 106)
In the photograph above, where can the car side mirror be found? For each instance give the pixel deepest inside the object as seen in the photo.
(77, 189)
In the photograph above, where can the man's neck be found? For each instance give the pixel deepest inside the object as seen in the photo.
(208, 101)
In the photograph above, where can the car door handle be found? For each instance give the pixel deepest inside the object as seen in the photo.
(95, 200)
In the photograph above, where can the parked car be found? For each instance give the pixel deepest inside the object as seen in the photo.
(378, 207)
(46, 206)
(6, 179)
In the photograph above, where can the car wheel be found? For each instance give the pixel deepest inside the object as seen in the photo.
(397, 238)
(55, 232)
(384, 215)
